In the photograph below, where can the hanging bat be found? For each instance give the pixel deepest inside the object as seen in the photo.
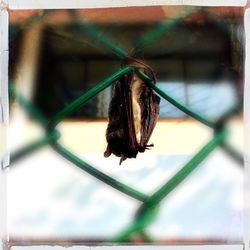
(133, 113)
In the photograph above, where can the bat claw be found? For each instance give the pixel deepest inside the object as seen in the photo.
(149, 146)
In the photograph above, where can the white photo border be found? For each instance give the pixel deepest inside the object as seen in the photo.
(246, 130)
(46, 4)
(75, 4)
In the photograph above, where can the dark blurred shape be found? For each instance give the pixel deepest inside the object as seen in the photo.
(202, 48)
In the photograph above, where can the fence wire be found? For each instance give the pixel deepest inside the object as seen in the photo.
(149, 205)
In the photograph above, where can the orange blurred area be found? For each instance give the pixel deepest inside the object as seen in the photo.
(126, 14)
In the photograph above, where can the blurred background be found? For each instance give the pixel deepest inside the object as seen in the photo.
(57, 55)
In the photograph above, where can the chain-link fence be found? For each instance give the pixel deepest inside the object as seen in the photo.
(147, 212)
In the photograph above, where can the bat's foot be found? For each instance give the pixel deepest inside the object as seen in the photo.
(107, 153)
(149, 146)
(123, 158)
(143, 148)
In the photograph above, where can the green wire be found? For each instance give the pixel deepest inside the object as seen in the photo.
(34, 146)
(175, 102)
(69, 109)
(28, 106)
(150, 37)
(98, 36)
(218, 139)
(147, 212)
(98, 174)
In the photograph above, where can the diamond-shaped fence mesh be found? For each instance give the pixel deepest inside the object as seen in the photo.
(149, 204)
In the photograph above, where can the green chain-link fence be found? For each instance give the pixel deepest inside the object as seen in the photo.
(149, 204)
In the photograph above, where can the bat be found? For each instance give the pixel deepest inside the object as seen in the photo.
(133, 113)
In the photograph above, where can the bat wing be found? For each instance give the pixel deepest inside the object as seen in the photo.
(120, 133)
(149, 115)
